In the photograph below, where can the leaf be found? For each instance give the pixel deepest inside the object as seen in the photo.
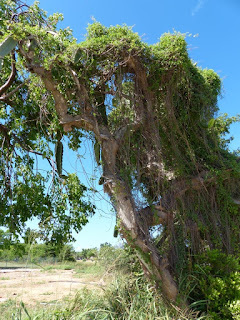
(211, 123)
(115, 233)
(97, 152)
(7, 46)
(59, 156)
(77, 55)
(25, 309)
(101, 181)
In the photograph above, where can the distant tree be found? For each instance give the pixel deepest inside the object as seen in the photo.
(67, 253)
(5, 239)
(87, 253)
(105, 244)
(37, 251)
(151, 115)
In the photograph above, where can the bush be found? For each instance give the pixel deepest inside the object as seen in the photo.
(86, 254)
(216, 285)
(119, 259)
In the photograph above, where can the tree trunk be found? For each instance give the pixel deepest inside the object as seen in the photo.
(133, 227)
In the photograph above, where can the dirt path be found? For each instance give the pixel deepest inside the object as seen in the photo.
(38, 286)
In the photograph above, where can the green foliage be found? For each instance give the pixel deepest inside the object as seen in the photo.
(67, 253)
(222, 127)
(120, 37)
(28, 131)
(127, 296)
(37, 253)
(5, 239)
(217, 285)
(86, 254)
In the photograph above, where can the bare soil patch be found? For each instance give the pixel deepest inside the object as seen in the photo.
(43, 286)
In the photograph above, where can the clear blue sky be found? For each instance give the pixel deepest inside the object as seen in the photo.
(217, 23)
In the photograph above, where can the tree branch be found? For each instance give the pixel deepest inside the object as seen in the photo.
(5, 97)
(180, 187)
(121, 131)
(80, 121)
(5, 130)
(153, 216)
(11, 78)
(81, 89)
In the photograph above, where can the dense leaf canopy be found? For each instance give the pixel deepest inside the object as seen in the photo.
(31, 187)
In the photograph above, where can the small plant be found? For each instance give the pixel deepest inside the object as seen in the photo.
(216, 281)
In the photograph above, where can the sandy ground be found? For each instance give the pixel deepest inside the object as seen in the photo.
(38, 286)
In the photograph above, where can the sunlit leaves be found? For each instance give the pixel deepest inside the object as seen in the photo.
(29, 187)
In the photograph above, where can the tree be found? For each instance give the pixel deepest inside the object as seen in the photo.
(5, 239)
(150, 112)
(67, 253)
(10, 247)
(87, 253)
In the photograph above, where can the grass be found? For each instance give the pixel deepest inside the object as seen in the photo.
(4, 278)
(126, 297)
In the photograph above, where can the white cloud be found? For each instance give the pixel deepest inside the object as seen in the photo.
(198, 6)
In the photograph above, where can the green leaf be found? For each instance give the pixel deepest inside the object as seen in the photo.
(97, 152)
(115, 233)
(211, 123)
(77, 55)
(7, 46)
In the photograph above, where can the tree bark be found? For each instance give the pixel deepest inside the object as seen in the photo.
(134, 227)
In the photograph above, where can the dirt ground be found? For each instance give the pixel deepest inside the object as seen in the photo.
(40, 286)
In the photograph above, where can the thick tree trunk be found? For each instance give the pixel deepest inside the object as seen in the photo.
(133, 227)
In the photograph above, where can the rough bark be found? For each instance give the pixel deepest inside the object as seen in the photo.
(134, 226)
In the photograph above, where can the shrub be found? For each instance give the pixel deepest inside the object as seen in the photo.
(216, 282)
(67, 253)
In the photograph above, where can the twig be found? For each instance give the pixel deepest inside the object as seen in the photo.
(6, 96)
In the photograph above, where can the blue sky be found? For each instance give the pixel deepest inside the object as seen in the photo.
(217, 46)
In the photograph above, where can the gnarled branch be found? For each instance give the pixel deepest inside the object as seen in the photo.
(11, 78)
(153, 216)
